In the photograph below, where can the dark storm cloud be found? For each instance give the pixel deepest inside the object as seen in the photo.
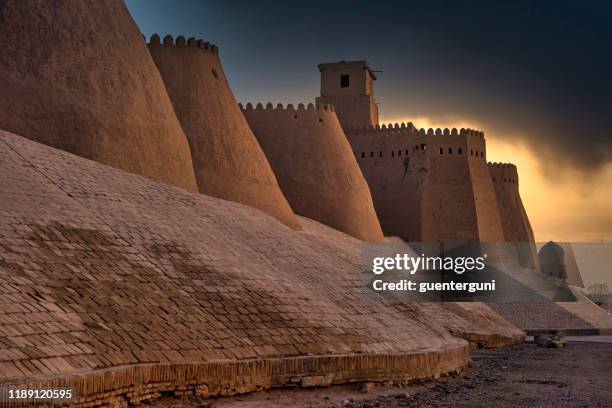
(540, 69)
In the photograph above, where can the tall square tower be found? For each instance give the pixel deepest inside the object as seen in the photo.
(349, 86)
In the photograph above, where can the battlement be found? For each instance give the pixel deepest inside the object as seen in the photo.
(503, 172)
(502, 165)
(181, 42)
(289, 107)
(450, 132)
(410, 126)
(380, 128)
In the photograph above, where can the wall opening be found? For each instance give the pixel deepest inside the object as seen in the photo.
(214, 73)
(450, 150)
(380, 154)
(344, 81)
(460, 151)
(363, 155)
(423, 147)
(399, 152)
(371, 154)
(441, 151)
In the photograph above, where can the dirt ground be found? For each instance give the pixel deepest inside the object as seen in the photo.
(523, 376)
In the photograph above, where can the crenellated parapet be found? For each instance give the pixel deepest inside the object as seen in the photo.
(315, 166)
(227, 159)
(289, 108)
(503, 173)
(181, 42)
(403, 127)
(450, 132)
(409, 126)
(502, 165)
(308, 115)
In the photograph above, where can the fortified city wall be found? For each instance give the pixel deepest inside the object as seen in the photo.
(227, 159)
(214, 298)
(88, 85)
(515, 223)
(314, 165)
(429, 185)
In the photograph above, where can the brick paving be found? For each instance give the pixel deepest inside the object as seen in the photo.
(101, 269)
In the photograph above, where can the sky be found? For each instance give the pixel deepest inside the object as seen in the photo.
(536, 77)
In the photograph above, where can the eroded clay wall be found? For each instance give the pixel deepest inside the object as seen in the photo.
(314, 165)
(394, 163)
(515, 223)
(429, 185)
(228, 161)
(95, 285)
(485, 200)
(76, 75)
(449, 211)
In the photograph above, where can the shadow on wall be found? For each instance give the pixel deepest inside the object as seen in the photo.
(228, 161)
(330, 188)
(118, 113)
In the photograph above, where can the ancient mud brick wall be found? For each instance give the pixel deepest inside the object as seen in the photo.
(394, 166)
(429, 185)
(315, 166)
(76, 75)
(101, 269)
(228, 161)
(515, 223)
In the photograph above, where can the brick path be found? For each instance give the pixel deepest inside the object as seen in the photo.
(102, 269)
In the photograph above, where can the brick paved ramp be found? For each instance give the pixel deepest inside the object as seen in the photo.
(472, 321)
(124, 288)
(579, 317)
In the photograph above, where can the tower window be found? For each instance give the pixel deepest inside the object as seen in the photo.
(380, 154)
(344, 81)
(450, 150)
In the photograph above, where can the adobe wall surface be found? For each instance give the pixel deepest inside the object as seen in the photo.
(515, 223)
(76, 75)
(459, 202)
(395, 171)
(213, 297)
(357, 110)
(228, 161)
(429, 186)
(315, 167)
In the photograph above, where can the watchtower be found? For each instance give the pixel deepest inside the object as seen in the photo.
(349, 87)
